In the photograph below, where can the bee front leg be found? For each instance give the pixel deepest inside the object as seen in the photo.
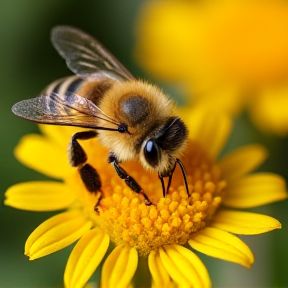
(165, 191)
(130, 182)
(170, 178)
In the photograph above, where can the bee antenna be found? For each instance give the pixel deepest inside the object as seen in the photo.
(184, 174)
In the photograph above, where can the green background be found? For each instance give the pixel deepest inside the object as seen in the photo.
(28, 63)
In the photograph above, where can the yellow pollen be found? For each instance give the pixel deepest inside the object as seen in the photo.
(124, 216)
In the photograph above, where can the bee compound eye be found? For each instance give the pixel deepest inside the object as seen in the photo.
(152, 153)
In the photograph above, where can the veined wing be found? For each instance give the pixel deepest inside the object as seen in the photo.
(69, 109)
(86, 56)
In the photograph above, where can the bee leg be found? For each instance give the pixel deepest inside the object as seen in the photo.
(77, 155)
(90, 178)
(169, 181)
(96, 209)
(163, 185)
(170, 178)
(184, 175)
(130, 182)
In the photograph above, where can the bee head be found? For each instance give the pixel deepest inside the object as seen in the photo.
(160, 150)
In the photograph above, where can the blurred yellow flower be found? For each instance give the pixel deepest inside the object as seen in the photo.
(226, 54)
(203, 220)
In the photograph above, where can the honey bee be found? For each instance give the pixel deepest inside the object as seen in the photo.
(133, 119)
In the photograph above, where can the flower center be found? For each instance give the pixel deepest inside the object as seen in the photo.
(170, 220)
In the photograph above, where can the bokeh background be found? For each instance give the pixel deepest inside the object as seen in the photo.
(28, 63)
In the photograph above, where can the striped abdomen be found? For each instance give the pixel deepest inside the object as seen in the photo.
(92, 90)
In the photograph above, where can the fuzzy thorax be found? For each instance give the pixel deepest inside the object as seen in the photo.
(145, 110)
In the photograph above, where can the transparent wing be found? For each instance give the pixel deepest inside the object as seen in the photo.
(86, 56)
(69, 109)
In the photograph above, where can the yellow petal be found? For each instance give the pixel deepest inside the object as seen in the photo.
(41, 154)
(56, 233)
(244, 223)
(242, 161)
(85, 258)
(160, 276)
(60, 135)
(196, 263)
(40, 196)
(119, 268)
(222, 245)
(184, 267)
(172, 270)
(255, 190)
(209, 128)
(189, 264)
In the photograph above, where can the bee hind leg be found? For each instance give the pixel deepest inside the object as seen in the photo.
(77, 155)
(90, 178)
(130, 182)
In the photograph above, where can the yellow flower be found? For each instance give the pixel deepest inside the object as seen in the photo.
(161, 232)
(227, 54)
